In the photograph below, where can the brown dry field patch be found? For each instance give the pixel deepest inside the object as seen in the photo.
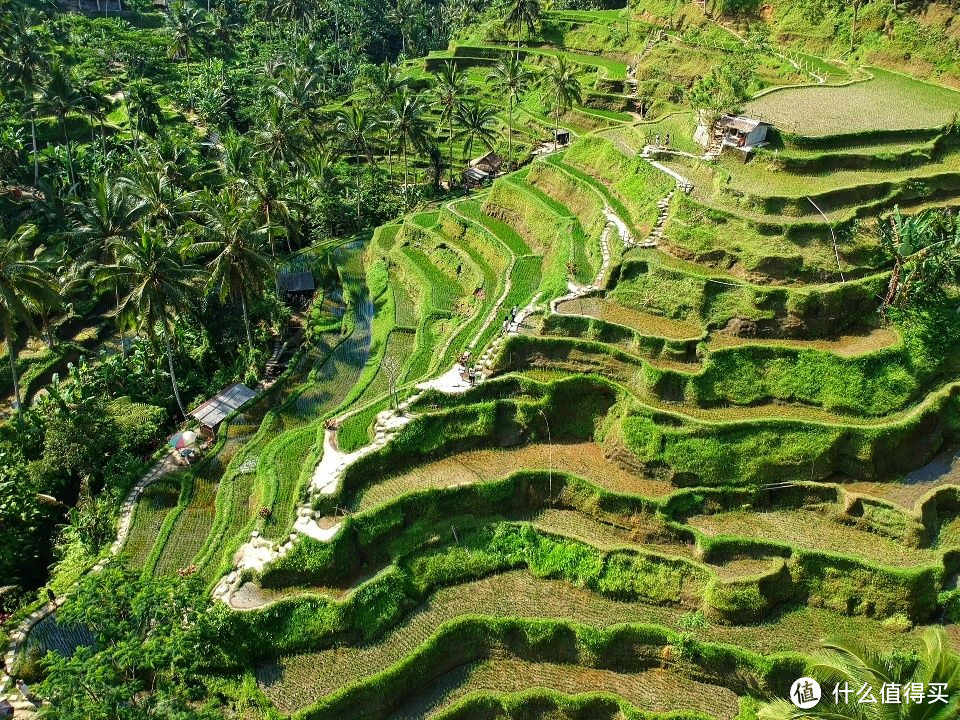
(610, 311)
(605, 536)
(943, 469)
(295, 681)
(814, 531)
(584, 459)
(845, 345)
(652, 690)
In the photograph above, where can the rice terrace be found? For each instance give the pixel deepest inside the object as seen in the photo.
(487, 359)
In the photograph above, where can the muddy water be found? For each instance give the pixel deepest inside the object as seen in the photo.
(944, 469)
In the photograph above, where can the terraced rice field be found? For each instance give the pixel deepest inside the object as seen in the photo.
(944, 469)
(585, 459)
(814, 530)
(155, 503)
(734, 445)
(887, 102)
(844, 346)
(609, 310)
(655, 690)
(296, 681)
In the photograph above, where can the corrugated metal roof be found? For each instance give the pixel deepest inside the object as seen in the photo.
(213, 411)
(743, 124)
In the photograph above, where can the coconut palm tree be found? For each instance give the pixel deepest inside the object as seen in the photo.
(383, 82)
(160, 287)
(268, 194)
(144, 112)
(106, 215)
(510, 77)
(563, 85)
(150, 182)
(60, 98)
(520, 15)
(22, 60)
(852, 666)
(449, 89)
(96, 106)
(407, 126)
(25, 289)
(405, 14)
(476, 123)
(356, 126)
(241, 265)
(187, 29)
(283, 135)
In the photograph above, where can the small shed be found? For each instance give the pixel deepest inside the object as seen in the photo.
(474, 177)
(489, 163)
(295, 283)
(743, 132)
(211, 413)
(562, 137)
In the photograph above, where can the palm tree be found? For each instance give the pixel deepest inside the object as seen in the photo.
(268, 190)
(187, 26)
(357, 125)
(851, 665)
(283, 137)
(563, 85)
(476, 123)
(105, 216)
(96, 106)
(404, 15)
(450, 84)
(151, 183)
(241, 265)
(522, 14)
(383, 82)
(510, 77)
(407, 125)
(22, 58)
(25, 289)
(159, 287)
(60, 98)
(144, 112)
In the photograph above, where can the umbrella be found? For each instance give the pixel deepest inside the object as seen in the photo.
(183, 439)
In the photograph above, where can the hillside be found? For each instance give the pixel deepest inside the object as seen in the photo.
(625, 431)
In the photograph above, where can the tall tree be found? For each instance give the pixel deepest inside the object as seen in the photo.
(449, 89)
(356, 126)
(269, 195)
(510, 77)
(25, 289)
(188, 27)
(520, 15)
(144, 112)
(160, 288)
(407, 125)
(61, 99)
(22, 60)
(852, 665)
(106, 215)
(563, 85)
(283, 135)
(476, 123)
(150, 180)
(240, 267)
